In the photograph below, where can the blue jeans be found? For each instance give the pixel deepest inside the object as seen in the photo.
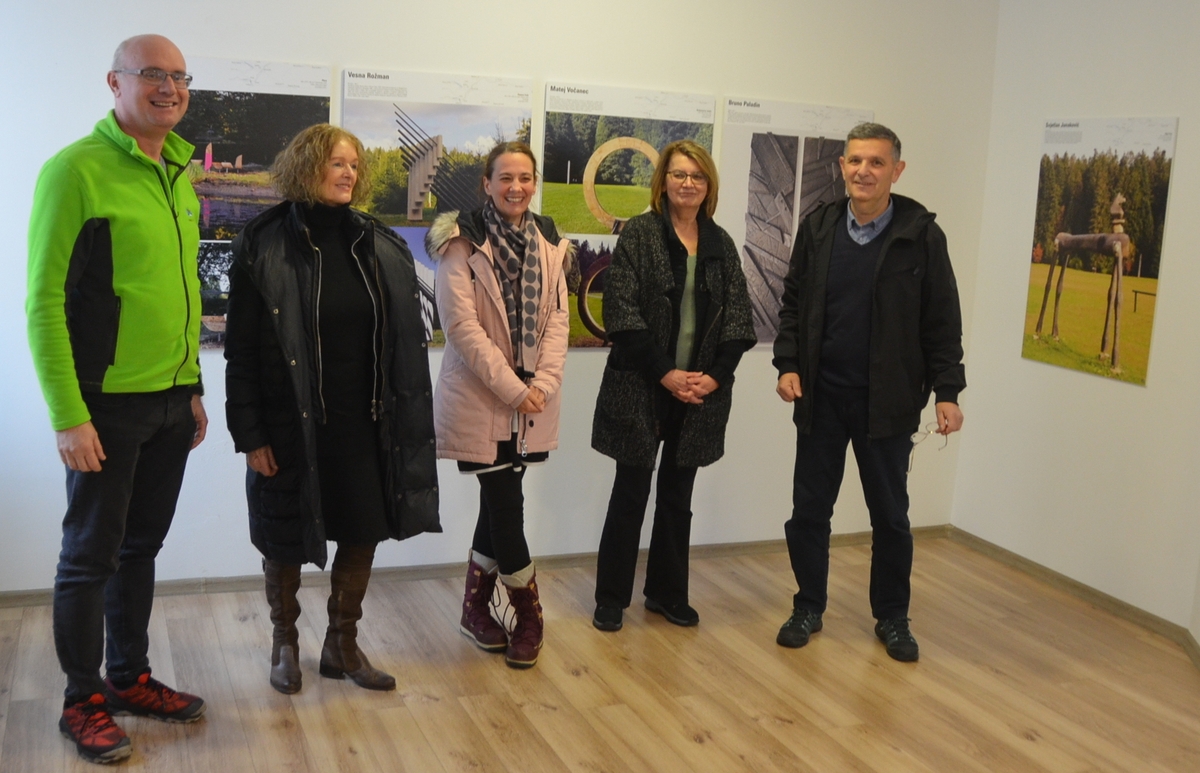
(114, 527)
(840, 418)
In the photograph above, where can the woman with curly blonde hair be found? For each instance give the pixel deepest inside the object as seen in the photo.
(328, 394)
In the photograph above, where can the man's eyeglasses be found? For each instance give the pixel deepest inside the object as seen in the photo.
(697, 178)
(155, 76)
(929, 429)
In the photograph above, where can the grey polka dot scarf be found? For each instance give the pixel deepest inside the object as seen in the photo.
(519, 269)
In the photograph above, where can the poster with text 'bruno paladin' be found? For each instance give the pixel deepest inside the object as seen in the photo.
(1097, 243)
(427, 137)
(779, 162)
(601, 145)
(241, 113)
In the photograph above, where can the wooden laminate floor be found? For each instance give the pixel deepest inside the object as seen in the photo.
(1014, 676)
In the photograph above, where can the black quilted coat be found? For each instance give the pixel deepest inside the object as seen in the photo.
(272, 390)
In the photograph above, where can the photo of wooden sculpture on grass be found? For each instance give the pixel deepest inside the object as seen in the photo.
(1097, 248)
(613, 155)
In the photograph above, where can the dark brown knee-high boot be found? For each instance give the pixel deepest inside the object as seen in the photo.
(341, 657)
(283, 581)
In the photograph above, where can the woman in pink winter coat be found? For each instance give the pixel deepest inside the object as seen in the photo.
(502, 299)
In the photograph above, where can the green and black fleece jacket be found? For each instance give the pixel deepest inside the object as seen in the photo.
(113, 299)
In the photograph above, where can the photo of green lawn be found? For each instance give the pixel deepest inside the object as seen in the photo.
(571, 213)
(1081, 323)
(580, 335)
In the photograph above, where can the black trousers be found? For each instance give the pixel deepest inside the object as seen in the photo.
(667, 565)
(500, 529)
(115, 525)
(840, 417)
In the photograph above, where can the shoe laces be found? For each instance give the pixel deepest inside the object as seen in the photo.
(896, 629)
(802, 618)
(477, 612)
(95, 719)
(503, 610)
(519, 629)
(149, 691)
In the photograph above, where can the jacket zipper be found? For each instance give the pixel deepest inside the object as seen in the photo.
(375, 336)
(317, 325)
(187, 298)
(517, 423)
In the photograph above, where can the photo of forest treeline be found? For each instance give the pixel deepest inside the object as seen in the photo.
(623, 179)
(1074, 196)
(1075, 296)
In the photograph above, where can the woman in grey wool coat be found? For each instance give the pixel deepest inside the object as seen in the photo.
(678, 315)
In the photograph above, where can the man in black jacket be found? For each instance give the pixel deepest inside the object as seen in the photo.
(870, 325)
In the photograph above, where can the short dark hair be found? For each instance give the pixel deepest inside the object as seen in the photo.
(697, 153)
(875, 131)
(300, 167)
(489, 166)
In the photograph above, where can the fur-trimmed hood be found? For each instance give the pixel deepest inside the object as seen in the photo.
(469, 225)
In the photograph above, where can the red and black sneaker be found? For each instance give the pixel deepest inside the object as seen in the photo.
(97, 738)
(149, 697)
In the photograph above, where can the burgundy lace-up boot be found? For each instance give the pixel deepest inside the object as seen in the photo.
(525, 641)
(477, 621)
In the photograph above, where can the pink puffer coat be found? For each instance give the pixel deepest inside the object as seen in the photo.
(478, 391)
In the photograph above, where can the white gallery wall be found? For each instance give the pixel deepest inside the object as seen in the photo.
(1095, 479)
(927, 71)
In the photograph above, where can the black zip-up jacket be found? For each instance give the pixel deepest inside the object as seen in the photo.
(916, 322)
(273, 379)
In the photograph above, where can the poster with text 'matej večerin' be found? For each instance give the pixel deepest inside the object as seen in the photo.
(241, 113)
(1096, 251)
(601, 145)
(779, 162)
(427, 136)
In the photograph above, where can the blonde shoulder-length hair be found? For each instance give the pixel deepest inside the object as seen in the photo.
(299, 168)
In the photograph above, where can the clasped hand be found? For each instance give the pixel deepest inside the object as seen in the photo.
(689, 386)
(534, 402)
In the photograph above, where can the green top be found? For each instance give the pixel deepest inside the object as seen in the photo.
(113, 299)
(687, 318)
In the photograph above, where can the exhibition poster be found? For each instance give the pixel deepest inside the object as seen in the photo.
(779, 162)
(241, 113)
(1097, 242)
(427, 136)
(601, 144)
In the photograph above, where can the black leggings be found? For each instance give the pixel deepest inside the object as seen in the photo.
(500, 530)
